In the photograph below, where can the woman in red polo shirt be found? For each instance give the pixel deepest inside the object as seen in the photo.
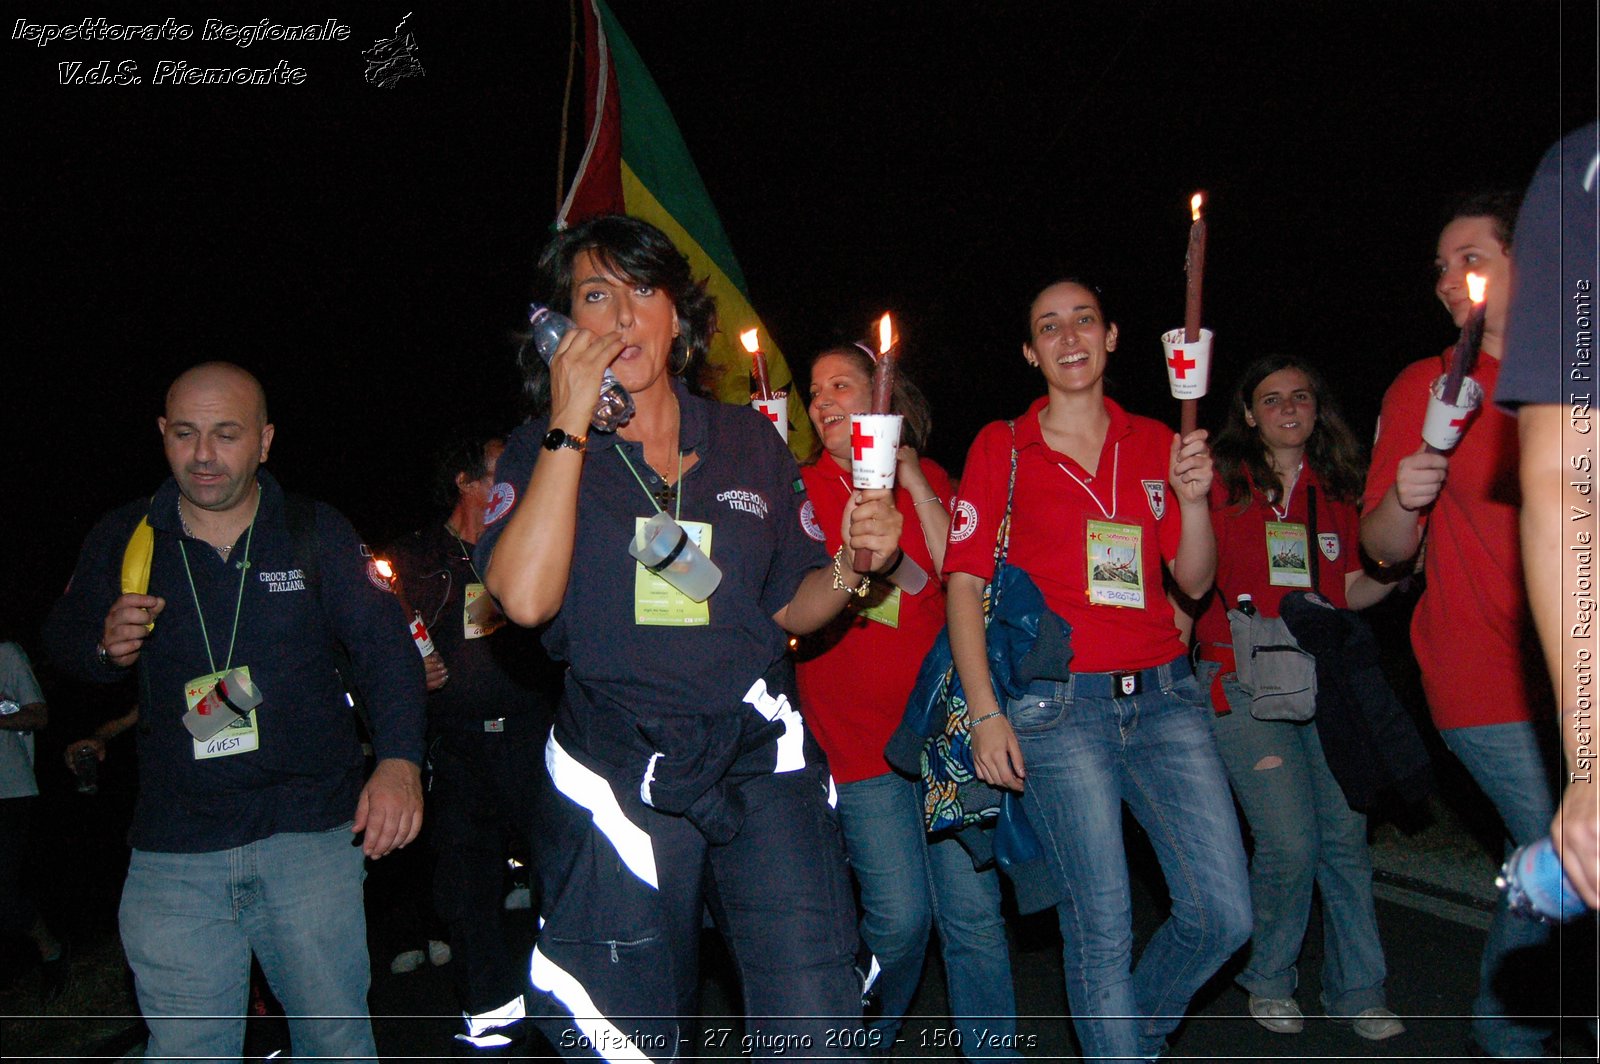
(1289, 472)
(854, 678)
(1103, 501)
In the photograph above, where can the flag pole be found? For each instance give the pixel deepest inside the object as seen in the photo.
(566, 102)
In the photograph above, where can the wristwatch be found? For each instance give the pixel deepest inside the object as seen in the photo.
(8, 707)
(556, 440)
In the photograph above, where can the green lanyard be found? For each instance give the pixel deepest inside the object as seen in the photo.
(678, 484)
(466, 555)
(244, 570)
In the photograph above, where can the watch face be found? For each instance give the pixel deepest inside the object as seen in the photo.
(556, 439)
(8, 707)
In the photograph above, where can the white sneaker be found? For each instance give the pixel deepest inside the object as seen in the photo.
(1278, 1015)
(438, 952)
(1375, 1024)
(409, 961)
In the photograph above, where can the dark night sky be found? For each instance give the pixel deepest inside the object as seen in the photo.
(367, 251)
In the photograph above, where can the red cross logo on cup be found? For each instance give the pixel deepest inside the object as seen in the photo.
(859, 441)
(1180, 364)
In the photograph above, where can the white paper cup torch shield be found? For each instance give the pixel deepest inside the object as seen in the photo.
(1188, 365)
(874, 449)
(663, 547)
(1444, 424)
(775, 410)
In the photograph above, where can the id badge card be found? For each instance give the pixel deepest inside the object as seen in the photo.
(1116, 564)
(1288, 557)
(882, 608)
(479, 615)
(657, 602)
(240, 736)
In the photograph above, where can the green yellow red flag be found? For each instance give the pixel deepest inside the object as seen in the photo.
(635, 162)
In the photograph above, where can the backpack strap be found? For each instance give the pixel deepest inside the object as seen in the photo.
(1313, 547)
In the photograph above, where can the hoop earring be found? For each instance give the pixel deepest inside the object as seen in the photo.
(678, 359)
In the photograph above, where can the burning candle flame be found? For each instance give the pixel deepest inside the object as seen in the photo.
(1476, 284)
(885, 333)
(385, 570)
(748, 338)
(1196, 201)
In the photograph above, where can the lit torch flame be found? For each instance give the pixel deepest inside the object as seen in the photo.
(385, 570)
(1196, 201)
(1476, 284)
(748, 338)
(885, 333)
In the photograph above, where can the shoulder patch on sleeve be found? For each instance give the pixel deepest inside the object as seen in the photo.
(375, 576)
(808, 521)
(501, 499)
(965, 521)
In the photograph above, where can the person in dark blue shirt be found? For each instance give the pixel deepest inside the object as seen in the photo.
(242, 836)
(683, 776)
(488, 718)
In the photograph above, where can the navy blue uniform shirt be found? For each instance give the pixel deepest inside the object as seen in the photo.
(307, 773)
(636, 691)
(503, 674)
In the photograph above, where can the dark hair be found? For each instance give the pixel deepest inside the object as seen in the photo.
(463, 454)
(1332, 449)
(1499, 205)
(635, 250)
(1081, 282)
(907, 400)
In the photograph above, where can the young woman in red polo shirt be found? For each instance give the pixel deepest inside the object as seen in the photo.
(1103, 500)
(1289, 472)
(854, 678)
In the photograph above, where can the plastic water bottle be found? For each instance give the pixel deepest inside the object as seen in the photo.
(1536, 886)
(549, 326)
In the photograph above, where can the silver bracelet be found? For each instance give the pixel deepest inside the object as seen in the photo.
(924, 502)
(974, 723)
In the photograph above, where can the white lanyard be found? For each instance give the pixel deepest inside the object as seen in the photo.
(1283, 514)
(1116, 453)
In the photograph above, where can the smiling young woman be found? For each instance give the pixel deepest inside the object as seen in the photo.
(1104, 501)
(855, 676)
(1288, 474)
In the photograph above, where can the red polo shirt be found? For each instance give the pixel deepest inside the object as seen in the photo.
(1242, 567)
(1050, 529)
(1471, 632)
(856, 674)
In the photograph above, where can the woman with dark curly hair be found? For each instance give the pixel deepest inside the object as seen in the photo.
(1289, 472)
(683, 777)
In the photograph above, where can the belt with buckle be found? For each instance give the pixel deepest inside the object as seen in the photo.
(1125, 684)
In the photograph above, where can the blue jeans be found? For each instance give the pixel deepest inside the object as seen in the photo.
(1084, 756)
(907, 884)
(1304, 832)
(1509, 763)
(190, 922)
